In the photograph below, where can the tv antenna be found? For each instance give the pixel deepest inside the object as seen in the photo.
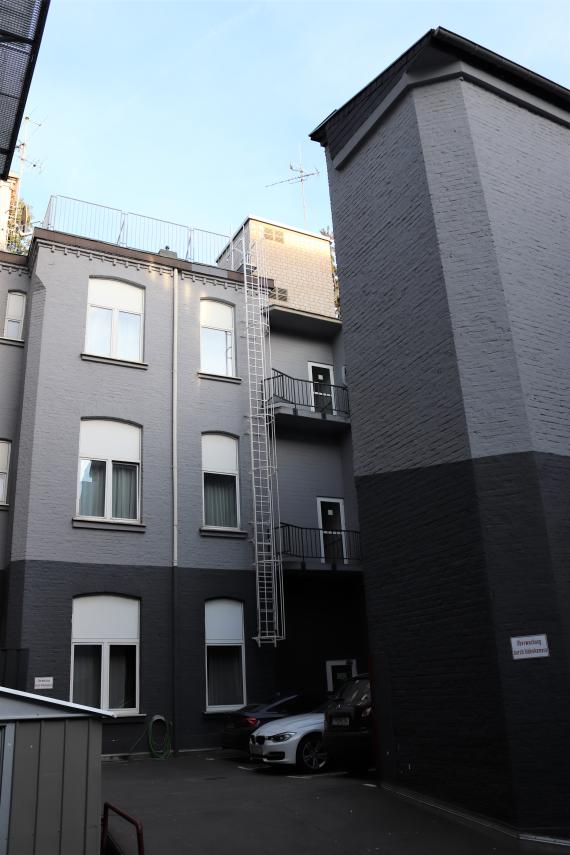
(299, 178)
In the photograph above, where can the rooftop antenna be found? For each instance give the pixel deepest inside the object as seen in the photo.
(300, 178)
(21, 148)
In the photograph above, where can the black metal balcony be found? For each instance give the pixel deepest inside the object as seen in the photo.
(317, 545)
(307, 397)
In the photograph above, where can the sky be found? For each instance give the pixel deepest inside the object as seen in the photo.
(185, 111)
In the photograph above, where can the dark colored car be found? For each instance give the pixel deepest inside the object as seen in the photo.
(348, 734)
(239, 725)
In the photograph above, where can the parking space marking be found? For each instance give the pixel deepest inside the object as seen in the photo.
(247, 768)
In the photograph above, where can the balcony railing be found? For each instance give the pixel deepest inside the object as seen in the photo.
(307, 395)
(133, 231)
(317, 544)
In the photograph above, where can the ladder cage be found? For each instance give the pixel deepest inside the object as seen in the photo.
(267, 557)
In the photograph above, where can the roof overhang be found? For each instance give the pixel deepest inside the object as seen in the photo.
(22, 24)
(304, 324)
(437, 55)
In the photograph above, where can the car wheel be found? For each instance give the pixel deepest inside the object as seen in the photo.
(311, 754)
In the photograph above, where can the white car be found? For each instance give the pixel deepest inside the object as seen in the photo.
(297, 740)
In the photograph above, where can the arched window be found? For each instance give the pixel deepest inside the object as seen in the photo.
(105, 652)
(220, 480)
(109, 470)
(14, 320)
(217, 347)
(225, 655)
(115, 320)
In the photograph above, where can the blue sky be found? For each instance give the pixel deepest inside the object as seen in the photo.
(185, 111)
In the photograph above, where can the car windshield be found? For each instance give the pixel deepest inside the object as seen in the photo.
(355, 692)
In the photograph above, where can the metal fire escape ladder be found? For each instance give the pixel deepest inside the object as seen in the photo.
(268, 566)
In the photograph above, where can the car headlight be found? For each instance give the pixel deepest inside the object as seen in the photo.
(280, 737)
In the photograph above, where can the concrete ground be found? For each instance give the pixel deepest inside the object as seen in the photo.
(215, 803)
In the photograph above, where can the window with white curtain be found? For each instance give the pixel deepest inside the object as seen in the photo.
(14, 320)
(225, 655)
(105, 653)
(5, 448)
(220, 480)
(109, 470)
(217, 338)
(115, 320)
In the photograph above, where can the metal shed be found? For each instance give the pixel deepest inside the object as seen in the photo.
(50, 776)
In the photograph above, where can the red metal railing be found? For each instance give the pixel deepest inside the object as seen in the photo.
(105, 827)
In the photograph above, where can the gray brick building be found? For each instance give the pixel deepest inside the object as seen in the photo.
(126, 504)
(450, 186)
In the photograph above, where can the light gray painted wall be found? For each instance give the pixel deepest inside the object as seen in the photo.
(405, 392)
(307, 469)
(67, 389)
(11, 376)
(524, 168)
(490, 382)
(292, 354)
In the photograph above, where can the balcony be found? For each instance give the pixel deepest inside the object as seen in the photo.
(317, 547)
(307, 405)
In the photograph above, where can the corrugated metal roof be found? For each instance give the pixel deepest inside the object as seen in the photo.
(21, 27)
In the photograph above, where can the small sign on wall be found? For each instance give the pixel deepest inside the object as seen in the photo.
(529, 646)
(43, 682)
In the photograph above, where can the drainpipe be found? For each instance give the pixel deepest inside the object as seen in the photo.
(174, 598)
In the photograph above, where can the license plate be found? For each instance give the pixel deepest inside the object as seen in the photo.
(343, 721)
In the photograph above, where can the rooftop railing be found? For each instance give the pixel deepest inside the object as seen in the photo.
(133, 231)
(329, 547)
(307, 395)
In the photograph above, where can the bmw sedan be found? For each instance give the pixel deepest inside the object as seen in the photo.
(296, 740)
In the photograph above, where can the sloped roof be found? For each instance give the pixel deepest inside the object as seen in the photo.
(21, 27)
(16, 705)
(337, 129)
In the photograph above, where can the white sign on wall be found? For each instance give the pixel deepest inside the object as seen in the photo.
(43, 682)
(529, 646)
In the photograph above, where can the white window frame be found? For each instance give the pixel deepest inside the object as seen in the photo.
(19, 320)
(6, 472)
(221, 472)
(106, 644)
(330, 664)
(232, 350)
(321, 529)
(226, 643)
(115, 311)
(312, 365)
(109, 482)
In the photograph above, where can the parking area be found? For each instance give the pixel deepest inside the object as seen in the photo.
(215, 803)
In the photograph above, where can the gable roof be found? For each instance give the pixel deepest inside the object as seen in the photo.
(338, 128)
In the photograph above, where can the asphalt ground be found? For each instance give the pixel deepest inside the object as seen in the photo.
(217, 803)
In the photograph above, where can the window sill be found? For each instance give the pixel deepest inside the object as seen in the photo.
(4, 506)
(89, 357)
(127, 717)
(15, 342)
(108, 525)
(223, 377)
(221, 712)
(213, 531)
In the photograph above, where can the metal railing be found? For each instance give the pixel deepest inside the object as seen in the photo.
(133, 231)
(307, 395)
(107, 808)
(329, 547)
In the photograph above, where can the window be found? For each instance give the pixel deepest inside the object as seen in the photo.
(114, 320)
(109, 466)
(105, 653)
(216, 338)
(4, 466)
(14, 321)
(220, 474)
(225, 655)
